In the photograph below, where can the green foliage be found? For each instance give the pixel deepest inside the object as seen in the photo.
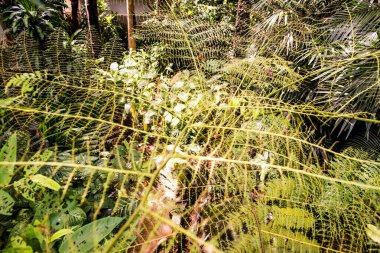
(18, 245)
(123, 153)
(108, 21)
(33, 233)
(211, 10)
(188, 42)
(46, 182)
(7, 203)
(335, 43)
(373, 232)
(261, 74)
(36, 18)
(32, 183)
(8, 153)
(60, 233)
(89, 236)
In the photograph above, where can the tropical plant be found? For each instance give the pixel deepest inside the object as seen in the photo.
(334, 44)
(108, 22)
(211, 10)
(34, 17)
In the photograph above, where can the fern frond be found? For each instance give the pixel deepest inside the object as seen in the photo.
(187, 42)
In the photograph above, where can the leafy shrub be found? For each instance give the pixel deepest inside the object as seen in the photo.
(37, 19)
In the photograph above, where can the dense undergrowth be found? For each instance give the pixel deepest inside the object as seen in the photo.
(183, 147)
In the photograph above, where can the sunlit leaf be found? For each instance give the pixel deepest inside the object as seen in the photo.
(89, 236)
(60, 234)
(6, 203)
(8, 154)
(373, 233)
(45, 182)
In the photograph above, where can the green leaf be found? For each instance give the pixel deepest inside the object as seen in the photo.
(373, 233)
(25, 19)
(45, 182)
(8, 154)
(7, 101)
(6, 203)
(14, 26)
(27, 188)
(40, 32)
(32, 232)
(50, 25)
(11, 16)
(69, 215)
(17, 244)
(60, 233)
(89, 236)
(235, 102)
(45, 156)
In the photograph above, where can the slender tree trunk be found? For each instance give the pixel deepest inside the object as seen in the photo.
(75, 15)
(1, 31)
(93, 16)
(4, 38)
(92, 21)
(131, 13)
(242, 25)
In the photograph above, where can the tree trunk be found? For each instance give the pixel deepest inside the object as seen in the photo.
(131, 13)
(1, 31)
(75, 15)
(4, 38)
(93, 16)
(241, 26)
